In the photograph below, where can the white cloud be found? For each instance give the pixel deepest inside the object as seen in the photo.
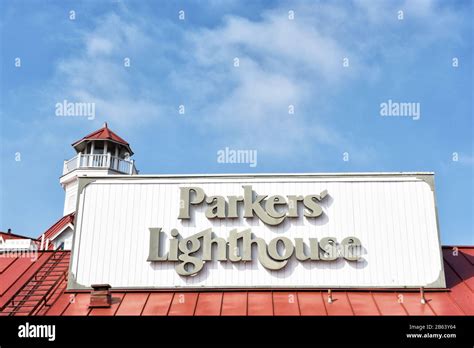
(99, 45)
(99, 75)
(282, 63)
(275, 41)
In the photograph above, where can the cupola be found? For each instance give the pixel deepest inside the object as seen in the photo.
(102, 152)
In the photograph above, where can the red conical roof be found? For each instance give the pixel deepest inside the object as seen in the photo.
(104, 134)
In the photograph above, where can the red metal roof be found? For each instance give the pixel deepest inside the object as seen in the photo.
(102, 134)
(6, 235)
(17, 272)
(58, 226)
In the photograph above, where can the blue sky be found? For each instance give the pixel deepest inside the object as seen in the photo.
(282, 62)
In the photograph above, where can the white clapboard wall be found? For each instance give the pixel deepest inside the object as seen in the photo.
(393, 215)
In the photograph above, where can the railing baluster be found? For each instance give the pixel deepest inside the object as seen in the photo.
(99, 161)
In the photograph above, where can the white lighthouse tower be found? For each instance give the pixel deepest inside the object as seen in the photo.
(100, 153)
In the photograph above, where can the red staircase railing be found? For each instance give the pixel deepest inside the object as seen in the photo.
(36, 292)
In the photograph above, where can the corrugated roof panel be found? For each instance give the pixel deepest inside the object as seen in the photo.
(52, 298)
(452, 279)
(132, 303)
(60, 304)
(14, 278)
(460, 263)
(12, 274)
(116, 300)
(389, 303)
(469, 254)
(234, 303)
(184, 303)
(460, 292)
(158, 303)
(311, 303)
(79, 305)
(340, 304)
(442, 304)
(6, 262)
(458, 301)
(260, 303)
(209, 303)
(285, 303)
(362, 303)
(411, 301)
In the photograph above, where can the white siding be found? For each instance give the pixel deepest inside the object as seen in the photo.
(394, 217)
(70, 198)
(66, 238)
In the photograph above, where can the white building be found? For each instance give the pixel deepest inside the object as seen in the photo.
(338, 230)
(102, 152)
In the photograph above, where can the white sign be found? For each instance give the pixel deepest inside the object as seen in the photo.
(264, 231)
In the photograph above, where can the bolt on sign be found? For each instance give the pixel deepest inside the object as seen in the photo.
(267, 231)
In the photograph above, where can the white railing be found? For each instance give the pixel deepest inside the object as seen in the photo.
(106, 161)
